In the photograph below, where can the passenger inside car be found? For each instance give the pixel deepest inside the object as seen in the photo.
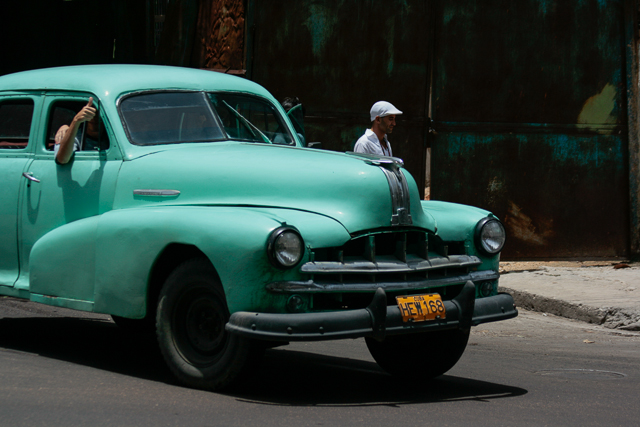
(78, 129)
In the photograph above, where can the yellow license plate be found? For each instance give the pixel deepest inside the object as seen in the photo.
(418, 308)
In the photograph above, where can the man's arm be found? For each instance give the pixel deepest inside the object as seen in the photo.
(66, 135)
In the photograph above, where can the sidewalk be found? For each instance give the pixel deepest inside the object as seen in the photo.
(605, 293)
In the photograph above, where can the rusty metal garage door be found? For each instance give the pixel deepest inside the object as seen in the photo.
(530, 103)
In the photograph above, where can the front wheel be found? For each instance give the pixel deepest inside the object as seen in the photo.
(190, 327)
(422, 355)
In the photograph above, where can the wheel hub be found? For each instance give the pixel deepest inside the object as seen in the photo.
(204, 324)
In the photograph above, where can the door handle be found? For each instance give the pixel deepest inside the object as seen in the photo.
(30, 176)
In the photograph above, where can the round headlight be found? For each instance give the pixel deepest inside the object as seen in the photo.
(490, 236)
(285, 247)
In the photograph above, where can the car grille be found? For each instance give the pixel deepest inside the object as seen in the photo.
(390, 257)
(402, 263)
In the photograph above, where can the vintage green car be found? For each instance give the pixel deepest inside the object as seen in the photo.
(192, 207)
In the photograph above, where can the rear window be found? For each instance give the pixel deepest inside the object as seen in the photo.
(15, 123)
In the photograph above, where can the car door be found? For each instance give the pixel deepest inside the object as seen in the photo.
(57, 195)
(16, 129)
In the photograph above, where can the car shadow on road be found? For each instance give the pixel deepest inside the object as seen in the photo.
(294, 378)
(87, 341)
(284, 377)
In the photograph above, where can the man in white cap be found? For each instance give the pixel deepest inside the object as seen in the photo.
(383, 120)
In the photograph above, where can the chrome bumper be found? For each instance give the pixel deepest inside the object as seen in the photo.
(377, 320)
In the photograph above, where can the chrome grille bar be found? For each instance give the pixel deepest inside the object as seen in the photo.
(311, 286)
(390, 265)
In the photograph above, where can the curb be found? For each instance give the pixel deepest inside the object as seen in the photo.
(613, 318)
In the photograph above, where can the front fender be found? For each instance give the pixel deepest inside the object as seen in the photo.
(456, 222)
(234, 240)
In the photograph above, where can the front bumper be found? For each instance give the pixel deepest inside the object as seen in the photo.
(377, 320)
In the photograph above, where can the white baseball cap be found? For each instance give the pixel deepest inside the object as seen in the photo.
(382, 109)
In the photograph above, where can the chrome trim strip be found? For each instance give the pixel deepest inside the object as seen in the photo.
(400, 201)
(312, 287)
(391, 166)
(150, 192)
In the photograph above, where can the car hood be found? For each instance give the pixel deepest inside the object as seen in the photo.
(347, 188)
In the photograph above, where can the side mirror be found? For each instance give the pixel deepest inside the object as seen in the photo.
(317, 145)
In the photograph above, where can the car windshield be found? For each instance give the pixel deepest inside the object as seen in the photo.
(249, 118)
(181, 117)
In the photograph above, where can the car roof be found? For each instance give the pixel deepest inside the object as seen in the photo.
(111, 80)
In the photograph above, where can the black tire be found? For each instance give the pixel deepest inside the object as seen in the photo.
(424, 355)
(192, 313)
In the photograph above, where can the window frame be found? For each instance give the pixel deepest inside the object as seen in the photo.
(49, 104)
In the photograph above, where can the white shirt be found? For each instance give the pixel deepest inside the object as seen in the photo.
(369, 143)
(76, 146)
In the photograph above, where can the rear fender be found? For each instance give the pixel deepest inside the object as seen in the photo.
(62, 265)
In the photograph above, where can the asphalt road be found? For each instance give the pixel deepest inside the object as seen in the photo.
(65, 368)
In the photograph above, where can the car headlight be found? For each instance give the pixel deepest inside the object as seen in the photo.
(490, 236)
(285, 247)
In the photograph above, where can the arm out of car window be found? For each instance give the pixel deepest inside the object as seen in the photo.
(66, 135)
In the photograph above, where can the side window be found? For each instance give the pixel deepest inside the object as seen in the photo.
(15, 123)
(91, 136)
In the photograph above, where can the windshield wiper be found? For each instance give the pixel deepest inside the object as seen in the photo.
(250, 126)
